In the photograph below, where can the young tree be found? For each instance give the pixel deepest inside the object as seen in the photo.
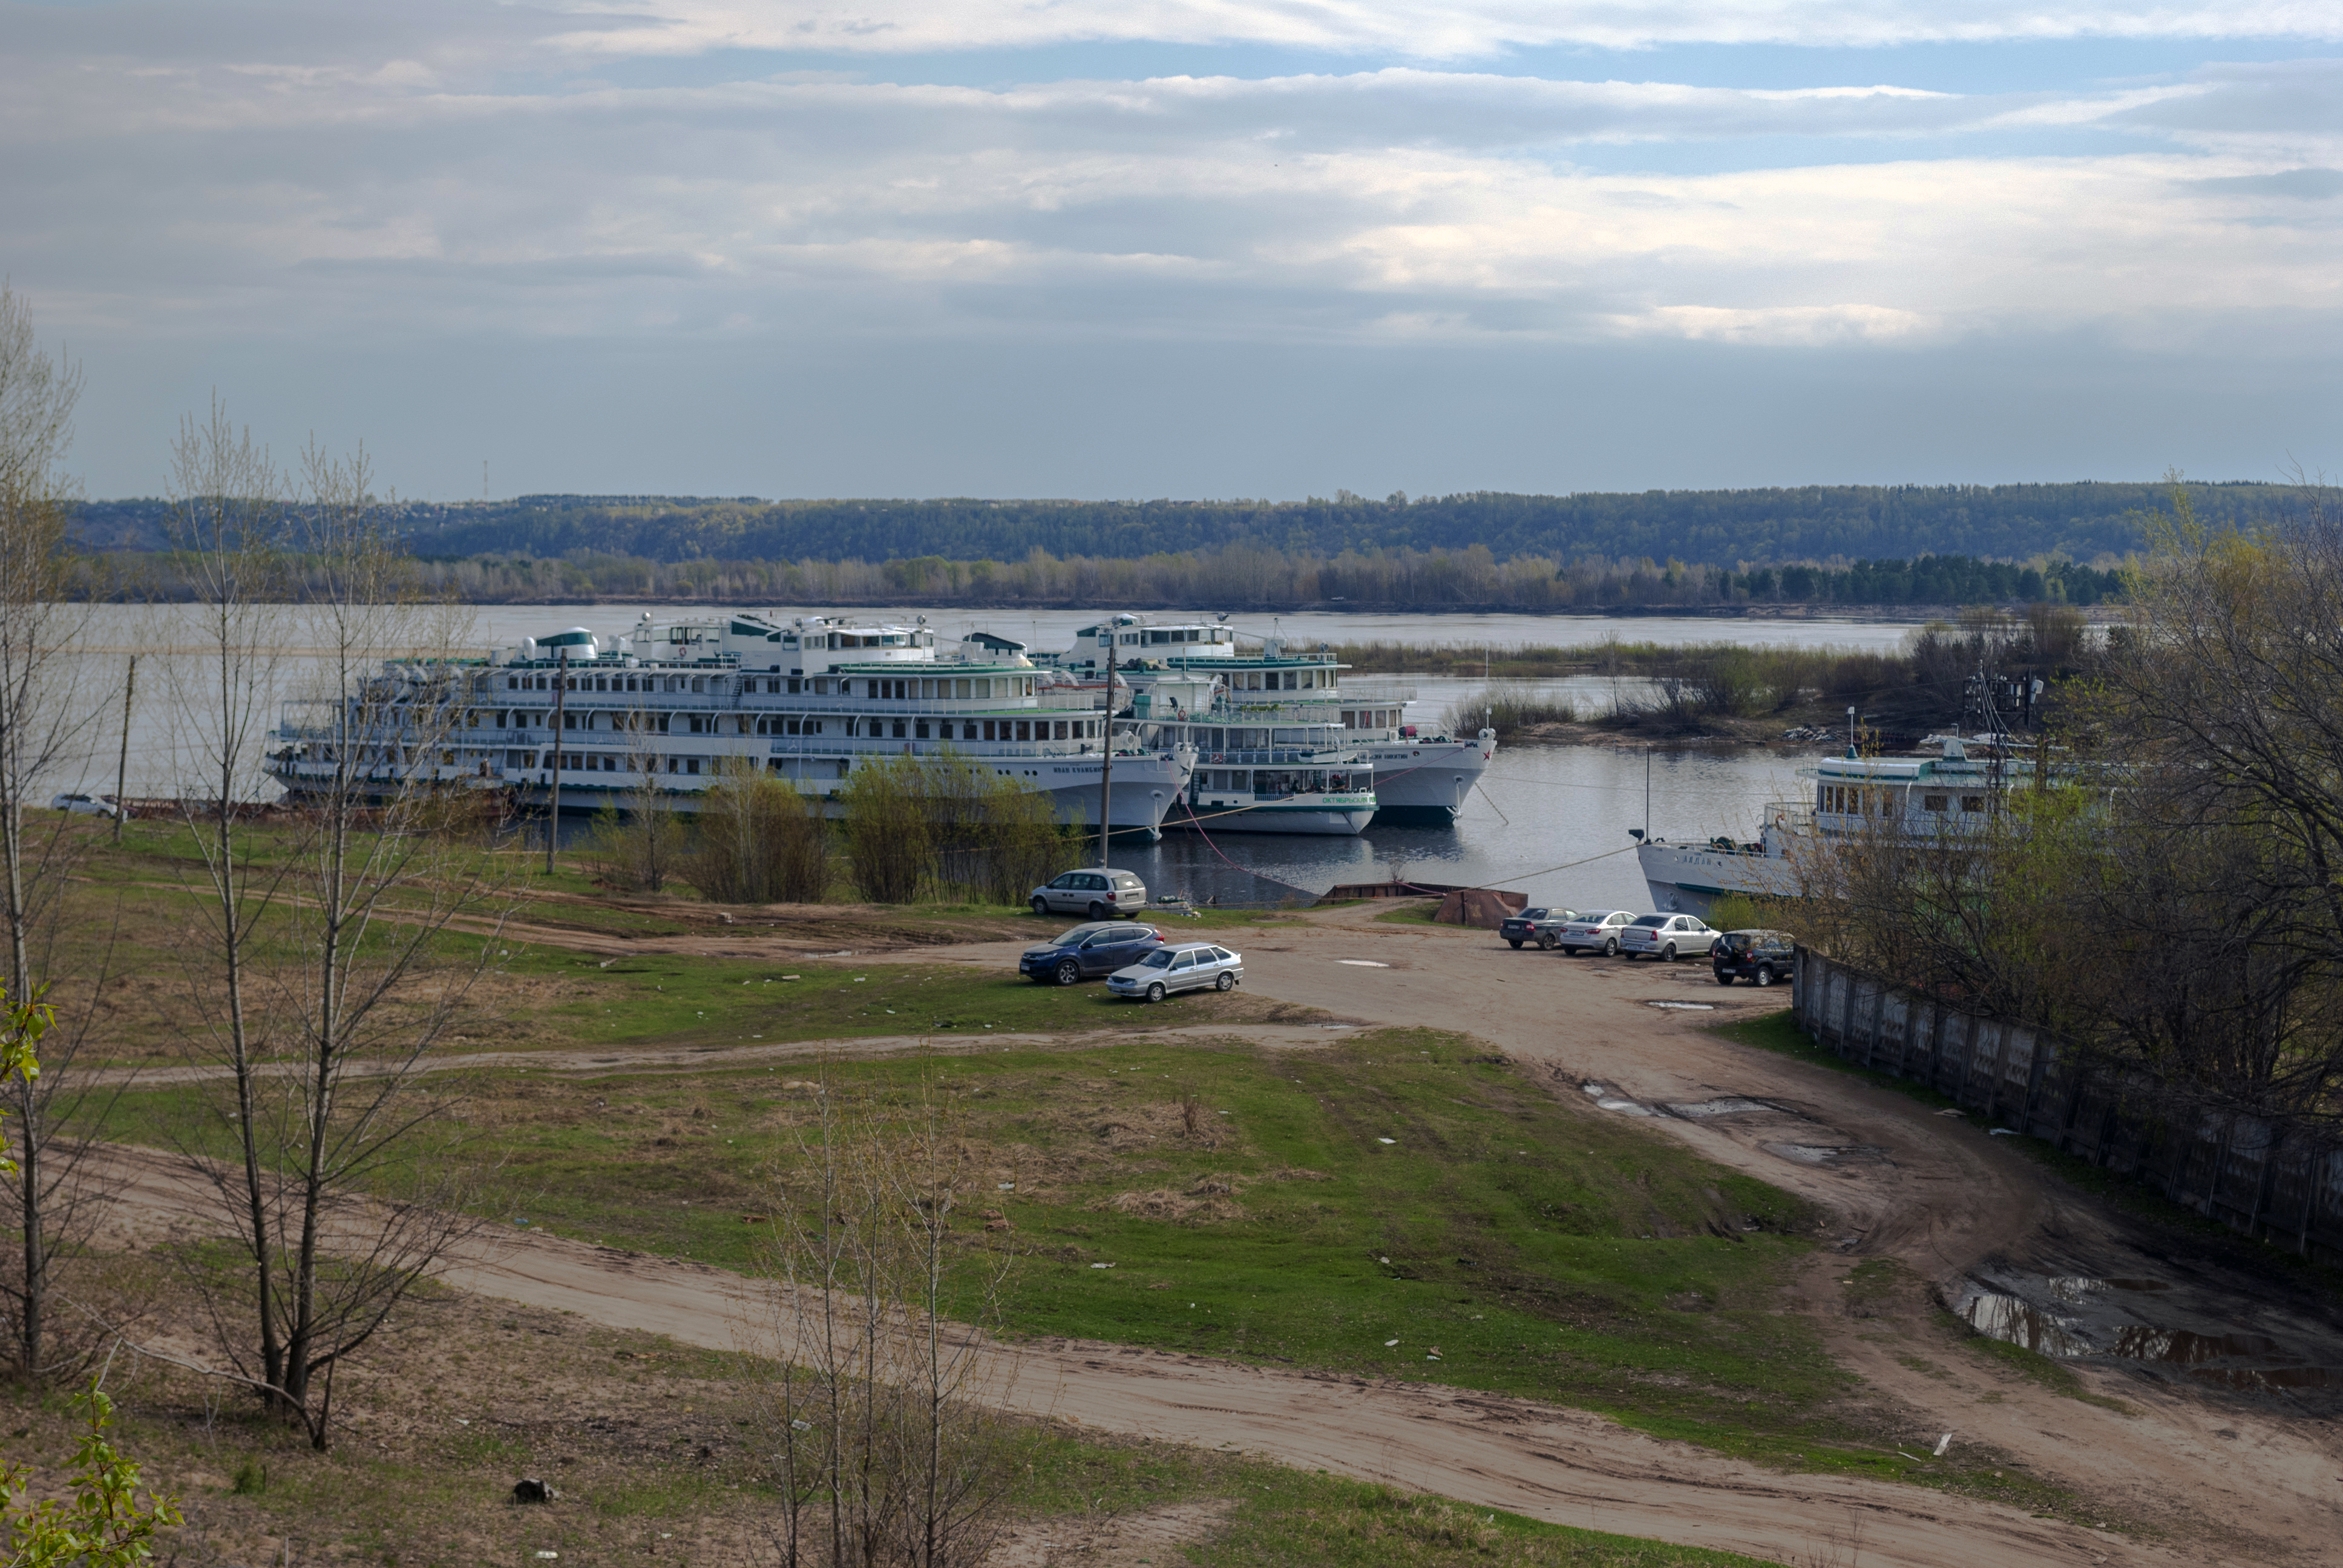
(336, 1198)
(760, 841)
(101, 1522)
(879, 1379)
(636, 839)
(46, 727)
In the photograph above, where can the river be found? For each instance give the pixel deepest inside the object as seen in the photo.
(1550, 821)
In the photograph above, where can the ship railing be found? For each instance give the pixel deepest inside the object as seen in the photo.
(1323, 756)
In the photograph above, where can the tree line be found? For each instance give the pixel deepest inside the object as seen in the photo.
(1238, 577)
(1723, 529)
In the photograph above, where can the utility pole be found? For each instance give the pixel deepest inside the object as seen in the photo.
(553, 804)
(122, 769)
(1106, 770)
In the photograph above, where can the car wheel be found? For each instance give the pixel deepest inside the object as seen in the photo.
(1514, 942)
(1725, 977)
(1765, 974)
(1611, 947)
(1155, 991)
(1040, 905)
(1668, 953)
(1226, 982)
(1548, 944)
(1099, 911)
(1069, 972)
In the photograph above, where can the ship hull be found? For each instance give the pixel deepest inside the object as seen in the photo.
(1692, 880)
(1426, 783)
(1281, 816)
(1144, 789)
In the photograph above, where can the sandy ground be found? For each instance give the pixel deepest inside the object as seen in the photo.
(2217, 1476)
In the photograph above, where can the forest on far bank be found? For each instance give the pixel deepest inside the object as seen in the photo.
(1235, 579)
(1822, 524)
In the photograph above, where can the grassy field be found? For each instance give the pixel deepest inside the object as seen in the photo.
(1398, 1186)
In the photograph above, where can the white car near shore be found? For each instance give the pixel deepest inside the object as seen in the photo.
(87, 805)
(1666, 936)
(1183, 965)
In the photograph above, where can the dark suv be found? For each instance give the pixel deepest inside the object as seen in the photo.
(1100, 948)
(1760, 958)
(1523, 927)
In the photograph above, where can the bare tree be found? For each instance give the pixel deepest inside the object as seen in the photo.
(46, 729)
(636, 839)
(881, 1380)
(336, 1199)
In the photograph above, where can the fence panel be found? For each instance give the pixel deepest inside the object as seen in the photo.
(2285, 1187)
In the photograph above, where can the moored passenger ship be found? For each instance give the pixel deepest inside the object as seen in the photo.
(806, 701)
(1197, 677)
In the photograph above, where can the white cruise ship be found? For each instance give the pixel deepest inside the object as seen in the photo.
(1916, 799)
(807, 699)
(1416, 777)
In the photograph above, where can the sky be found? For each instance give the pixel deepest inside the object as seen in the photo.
(1190, 248)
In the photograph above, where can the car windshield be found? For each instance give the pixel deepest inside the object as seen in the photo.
(1159, 958)
(1651, 919)
(1068, 939)
(1531, 914)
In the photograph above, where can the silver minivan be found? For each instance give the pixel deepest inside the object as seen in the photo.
(1182, 966)
(1099, 895)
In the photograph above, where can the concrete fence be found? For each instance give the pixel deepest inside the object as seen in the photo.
(2270, 1179)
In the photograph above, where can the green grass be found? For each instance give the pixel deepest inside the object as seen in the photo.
(1290, 1518)
(1413, 912)
(683, 1001)
(1543, 1251)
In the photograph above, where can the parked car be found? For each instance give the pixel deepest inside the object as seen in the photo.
(1523, 927)
(1101, 894)
(1761, 957)
(1098, 948)
(1548, 931)
(1182, 966)
(1665, 937)
(1592, 931)
(87, 805)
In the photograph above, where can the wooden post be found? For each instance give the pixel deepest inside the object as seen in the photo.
(553, 802)
(122, 769)
(1106, 761)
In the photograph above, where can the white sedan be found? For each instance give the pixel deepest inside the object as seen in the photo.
(1665, 937)
(1597, 931)
(87, 805)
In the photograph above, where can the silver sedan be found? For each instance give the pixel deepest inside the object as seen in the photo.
(1183, 965)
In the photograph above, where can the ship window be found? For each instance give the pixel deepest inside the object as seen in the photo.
(512, 683)
(1933, 802)
(1024, 729)
(898, 729)
(1972, 803)
(1289, 680)
(795, 689)
(920, 730)
(960, 688)
(1060, 733)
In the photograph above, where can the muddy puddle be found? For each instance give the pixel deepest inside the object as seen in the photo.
(2167, 1326)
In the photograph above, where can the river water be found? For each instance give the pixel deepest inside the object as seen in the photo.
(1550, 821)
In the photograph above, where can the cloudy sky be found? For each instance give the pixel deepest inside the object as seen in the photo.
(1190, 248)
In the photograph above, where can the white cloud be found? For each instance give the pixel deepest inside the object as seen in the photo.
(1462, 30)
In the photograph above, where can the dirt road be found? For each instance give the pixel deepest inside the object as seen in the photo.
(2226, 1477)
